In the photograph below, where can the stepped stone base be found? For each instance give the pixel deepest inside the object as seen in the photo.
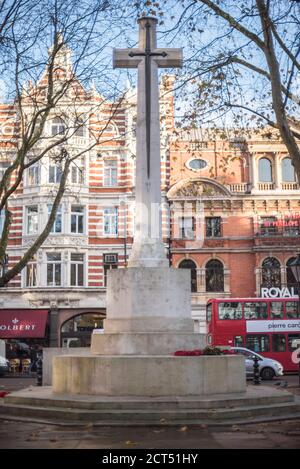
(257, 404)
(151, 375)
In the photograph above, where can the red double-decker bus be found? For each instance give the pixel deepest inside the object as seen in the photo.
(268, 326)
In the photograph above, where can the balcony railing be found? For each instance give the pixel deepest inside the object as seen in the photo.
(289, 186)
(266, 186)
(241, 187)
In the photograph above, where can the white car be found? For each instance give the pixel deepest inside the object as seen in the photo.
(4, 365)
(268, 368)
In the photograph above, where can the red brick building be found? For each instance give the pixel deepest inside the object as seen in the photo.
(242, 226)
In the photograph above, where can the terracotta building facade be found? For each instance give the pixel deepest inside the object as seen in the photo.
(236, 214)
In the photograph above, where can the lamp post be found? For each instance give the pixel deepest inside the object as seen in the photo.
(295, 267)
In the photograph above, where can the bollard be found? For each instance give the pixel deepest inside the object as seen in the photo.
(256, 375)
(39, 369)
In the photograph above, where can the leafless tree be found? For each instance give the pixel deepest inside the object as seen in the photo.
(40, 82)
(242, 58)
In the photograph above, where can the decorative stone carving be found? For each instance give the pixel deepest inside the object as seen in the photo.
(199, 189)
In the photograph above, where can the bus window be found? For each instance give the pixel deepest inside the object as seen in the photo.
(257, 310)
(238, 341)
(292, 311)
(258, 343)
(278, 343)
(209, 312)
(276, 309)
(232, 310)
(291, 338)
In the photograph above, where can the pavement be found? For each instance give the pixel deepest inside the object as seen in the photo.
(27, 435)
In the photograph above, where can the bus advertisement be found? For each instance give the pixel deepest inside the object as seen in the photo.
(268, 326)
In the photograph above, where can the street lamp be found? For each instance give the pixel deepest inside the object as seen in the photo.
(295, 267)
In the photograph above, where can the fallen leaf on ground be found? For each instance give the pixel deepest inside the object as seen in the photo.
(235, 428)
(129, 442)
(183, 429)
(89, 426)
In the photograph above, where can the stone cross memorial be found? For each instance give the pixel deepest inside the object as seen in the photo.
(148, 249)
(148, 308)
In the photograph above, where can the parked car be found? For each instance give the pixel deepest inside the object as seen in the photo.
(4, 366)
(268, 367)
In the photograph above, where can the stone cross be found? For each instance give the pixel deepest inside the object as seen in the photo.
(148, 249)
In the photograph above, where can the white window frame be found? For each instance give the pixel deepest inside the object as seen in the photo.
(57, 173)
(110, 221)
(53, 263)
(34, 175)
(57, 128)
(110, 173)
(186, 227)
(58, 215)
(77, 263)
(28, 218)
(77, 214)
(77, 170)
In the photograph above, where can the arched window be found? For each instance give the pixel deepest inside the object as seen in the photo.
(58, 126)
(265, 170)
(290, 279)
(271, 273)
(189, 264)
(214, 276)
(287, 170)
(77, 331)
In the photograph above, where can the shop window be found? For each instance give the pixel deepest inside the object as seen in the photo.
(77, 331)
(214, 276)
(189, 264)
